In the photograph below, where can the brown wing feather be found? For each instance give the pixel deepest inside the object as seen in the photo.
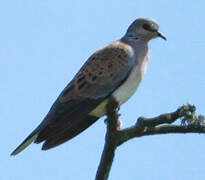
(102, 73)
(98, 78)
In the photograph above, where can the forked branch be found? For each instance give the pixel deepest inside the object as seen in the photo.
(162, 124)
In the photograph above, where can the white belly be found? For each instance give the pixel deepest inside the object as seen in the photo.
(125, 91)
(128, 88)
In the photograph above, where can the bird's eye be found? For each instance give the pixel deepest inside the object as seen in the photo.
(146, 27)
(149, 27)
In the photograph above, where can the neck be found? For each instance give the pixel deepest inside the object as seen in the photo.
(134, 41)
(131, 36)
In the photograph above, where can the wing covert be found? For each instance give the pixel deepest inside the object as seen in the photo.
(103, 72)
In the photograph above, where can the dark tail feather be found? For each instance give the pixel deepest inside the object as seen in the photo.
(67, 133)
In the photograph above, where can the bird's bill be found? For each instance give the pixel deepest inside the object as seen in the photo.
(161, 36)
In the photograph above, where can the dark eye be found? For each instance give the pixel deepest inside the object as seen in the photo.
(146, 27)
(149, 27)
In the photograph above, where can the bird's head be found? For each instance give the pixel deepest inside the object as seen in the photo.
(145, 29)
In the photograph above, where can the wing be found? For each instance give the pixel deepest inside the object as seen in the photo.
(103, 72)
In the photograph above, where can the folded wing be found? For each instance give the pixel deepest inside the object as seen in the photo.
(103, 73)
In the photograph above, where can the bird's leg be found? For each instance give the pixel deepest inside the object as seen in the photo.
(112, 120)
(119, 123)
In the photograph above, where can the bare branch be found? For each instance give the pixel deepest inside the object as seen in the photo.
(134, 131)
(113, 124)
(190, 123)
(167, 117)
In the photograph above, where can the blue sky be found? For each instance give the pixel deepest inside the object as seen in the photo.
(44, 43)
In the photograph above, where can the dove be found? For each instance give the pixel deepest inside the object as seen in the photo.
(114, 71)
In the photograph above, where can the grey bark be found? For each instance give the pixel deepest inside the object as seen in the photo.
(162, 124)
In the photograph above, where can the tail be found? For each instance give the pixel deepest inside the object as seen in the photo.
(32, 137)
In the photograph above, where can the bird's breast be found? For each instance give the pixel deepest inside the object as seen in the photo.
(128, 88)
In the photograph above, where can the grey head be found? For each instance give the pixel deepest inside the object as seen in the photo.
(145, 29)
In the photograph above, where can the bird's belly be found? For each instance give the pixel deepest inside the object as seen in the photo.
(128, 88)
(125, 91)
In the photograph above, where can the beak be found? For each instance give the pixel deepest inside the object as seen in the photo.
(162, 36)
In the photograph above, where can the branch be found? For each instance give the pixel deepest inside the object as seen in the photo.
(190, 123)
(113, 125)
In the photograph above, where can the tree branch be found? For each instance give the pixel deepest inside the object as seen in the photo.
(113, 125)
(190, 123)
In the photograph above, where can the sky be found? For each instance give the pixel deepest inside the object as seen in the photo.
(43, 43)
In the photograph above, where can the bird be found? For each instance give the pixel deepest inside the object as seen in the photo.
(115, 71)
